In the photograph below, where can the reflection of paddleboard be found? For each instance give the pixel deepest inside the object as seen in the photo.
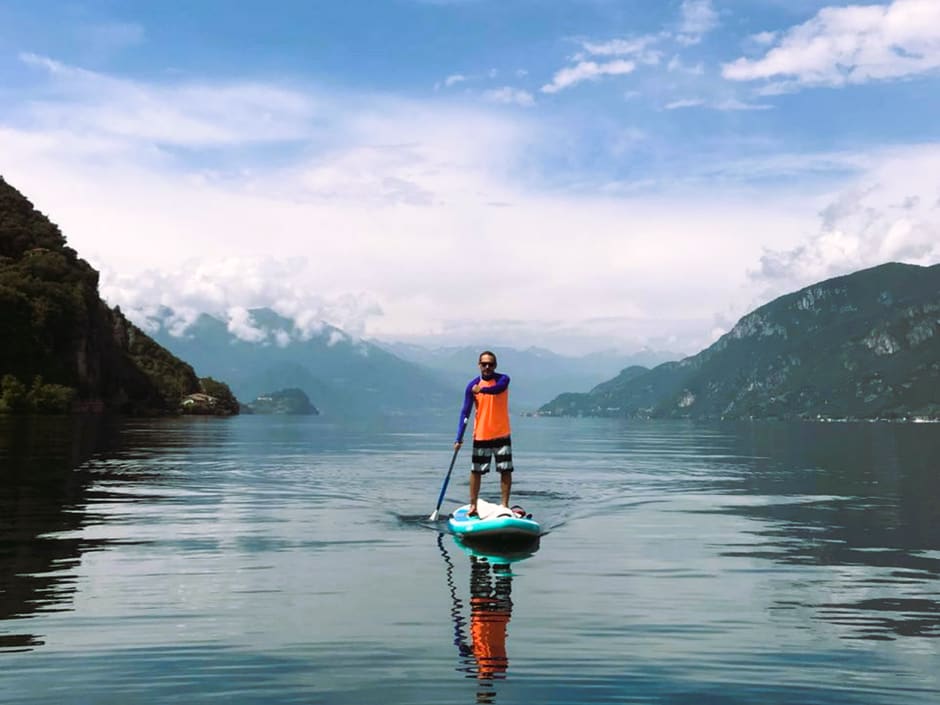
(494, 522)
(500, 553)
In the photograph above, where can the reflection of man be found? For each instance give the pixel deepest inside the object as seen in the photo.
(490, 612)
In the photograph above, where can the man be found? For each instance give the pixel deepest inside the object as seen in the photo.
(490, 394)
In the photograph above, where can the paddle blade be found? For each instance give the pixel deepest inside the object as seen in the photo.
(433, 516)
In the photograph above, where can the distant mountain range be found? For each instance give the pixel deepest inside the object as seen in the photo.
(348, 377)
(537, 374)
(342, 376)
(862, 346)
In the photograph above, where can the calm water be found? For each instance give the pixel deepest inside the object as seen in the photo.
(278, 560)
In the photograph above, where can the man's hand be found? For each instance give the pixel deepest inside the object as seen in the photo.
(457, 445)
(475, 389)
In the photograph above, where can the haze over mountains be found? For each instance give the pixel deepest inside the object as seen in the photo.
(537, 374)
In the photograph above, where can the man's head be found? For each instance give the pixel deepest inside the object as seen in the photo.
(487, 364)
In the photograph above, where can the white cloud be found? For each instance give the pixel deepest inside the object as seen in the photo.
(724, 105)
(337, 337)
(240, 325)
(697, 18)
(850, 45)
(587, 71)
(509, 95)
(622, 55)
(639, 48)
(629, 52)
(228, 287)
(454, 79)
(186, 114)
(890, 213)
(684, 103)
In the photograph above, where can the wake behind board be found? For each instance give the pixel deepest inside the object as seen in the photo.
(495, 526)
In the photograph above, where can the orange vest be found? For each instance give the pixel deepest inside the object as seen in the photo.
(492, 418)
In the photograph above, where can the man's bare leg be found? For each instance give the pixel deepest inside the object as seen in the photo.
(505, 484)
(474, 490)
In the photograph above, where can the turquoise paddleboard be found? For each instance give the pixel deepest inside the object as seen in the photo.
(494, 522)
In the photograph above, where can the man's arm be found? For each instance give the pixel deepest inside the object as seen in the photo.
(465, 410)
(502, 384)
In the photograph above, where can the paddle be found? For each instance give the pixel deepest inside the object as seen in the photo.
(440, 497)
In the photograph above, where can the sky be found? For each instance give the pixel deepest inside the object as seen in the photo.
(579, 175)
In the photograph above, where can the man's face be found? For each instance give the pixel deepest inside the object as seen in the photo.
(487, 366)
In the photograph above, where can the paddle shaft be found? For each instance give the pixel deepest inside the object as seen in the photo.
(440, 497)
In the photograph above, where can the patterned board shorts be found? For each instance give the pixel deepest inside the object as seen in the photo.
(484, 450)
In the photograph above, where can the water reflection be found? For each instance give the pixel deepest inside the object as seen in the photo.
(54, 472)
(481, 638)
(857, 505)
(42, 494)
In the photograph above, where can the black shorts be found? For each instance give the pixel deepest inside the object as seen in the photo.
(483, 451)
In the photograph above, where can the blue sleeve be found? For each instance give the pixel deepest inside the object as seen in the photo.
(465, 411)
(502, 384)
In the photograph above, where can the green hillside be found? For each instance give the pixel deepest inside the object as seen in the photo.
(63, 348)
(865, 345)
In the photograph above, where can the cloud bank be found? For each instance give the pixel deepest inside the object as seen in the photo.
(391, 218)
(441, 218)
(849, 45)
(890, 214)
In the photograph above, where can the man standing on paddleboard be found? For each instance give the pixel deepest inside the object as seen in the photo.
(490, 394)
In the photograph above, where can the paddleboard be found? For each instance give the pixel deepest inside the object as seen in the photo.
(493, 522)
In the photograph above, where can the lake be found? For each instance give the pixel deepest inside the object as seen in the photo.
(290, 560)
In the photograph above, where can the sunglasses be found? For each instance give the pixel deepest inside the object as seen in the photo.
(487, 364)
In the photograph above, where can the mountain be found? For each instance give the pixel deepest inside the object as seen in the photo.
(292, 402)
(537, 374)
(63, 348)
(865, 345)
(342, 376)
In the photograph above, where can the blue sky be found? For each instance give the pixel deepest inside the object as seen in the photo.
(578, 174)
